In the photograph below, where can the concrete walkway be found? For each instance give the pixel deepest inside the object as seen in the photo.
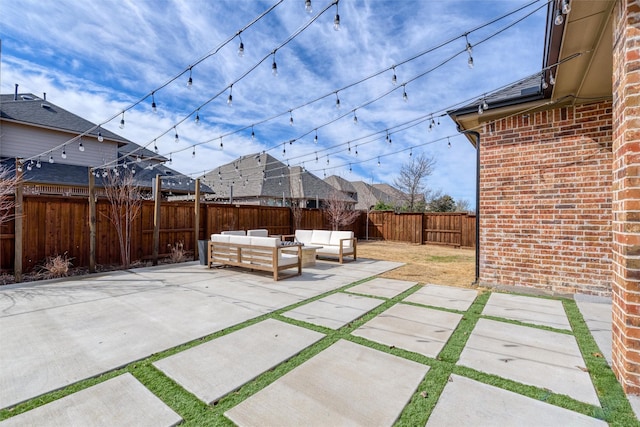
(57, 333)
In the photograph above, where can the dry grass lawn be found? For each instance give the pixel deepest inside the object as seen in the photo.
(442, 265)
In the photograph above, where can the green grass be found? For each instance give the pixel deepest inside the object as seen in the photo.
(615, 408)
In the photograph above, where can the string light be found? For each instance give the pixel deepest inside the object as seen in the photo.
(51, 158)
(448, 143)
(38, 163)
(230, 98)
(394, 78)
(336, 20)
(315, 138)
(253, 134)
(290, 118)
(190, 81)
(545, 85)
(337, 101)
(100, 137)
(566, 6)
(80, 146)
(122, 121)
(155, 146)
(197, 120)
(193, 154)
(176, 138)
(349, 147)
(284, 150)
(378, 161)
(64, 153)
(552, 79)
(274, 66)
(350, 170)
(411, 152)
(356, 151)
(153, 103)
(355, 118)
(221, 146)
(404, 94)
(559, 19)
(30, 165)
(327, 159)
(469, 50)
(307, 6)
(240, 47)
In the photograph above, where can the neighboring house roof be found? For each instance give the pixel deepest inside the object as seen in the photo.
(368, 195)
(34, 111)
(340, 183)
(262, 176)
(399, 197)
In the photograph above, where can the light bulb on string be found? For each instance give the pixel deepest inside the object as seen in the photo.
(545, 85)
(290, 118)
(349, 147)
(337, 101)
(356, 151)
(480, 109)
(221, 145)
(230, 98)
(122, 121)
(155, 146)
(316, 157)
(378, 161)
(559, 19)
(176, 138)
(448, 143)
(190, 80)
(394, 78)
(284, 150)
(469, 50)
(410, 152)
(307, 6)
(170, 159)
(253, 134)
(327, 159)
(38, 163)
(30, 165)
(325, 172)
(355, 118)
(51, 158)
(193, 154)
(405, 97)
(154, 108)
(350, 170)
(552, 79)
(315, 138)
(138, 159)
(485, 106)
(100, 137)
(566, 6)
(64, 153)
(197, 119)
(240, 47)
(336, 20)
(80, 146)
(274, 66)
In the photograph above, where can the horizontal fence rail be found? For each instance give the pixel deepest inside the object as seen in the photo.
(54, 225)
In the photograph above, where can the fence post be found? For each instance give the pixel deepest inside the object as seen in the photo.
(92, 221)
(19, 212)
(197, 220)
(156, 220)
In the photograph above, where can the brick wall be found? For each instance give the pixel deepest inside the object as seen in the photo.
(546, 200)
(626, 195)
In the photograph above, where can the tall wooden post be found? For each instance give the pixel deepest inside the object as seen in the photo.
(197, 221)
(156, 220)
(92, 221)
(19, 214)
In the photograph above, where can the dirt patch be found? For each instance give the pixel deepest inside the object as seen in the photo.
(442, 265)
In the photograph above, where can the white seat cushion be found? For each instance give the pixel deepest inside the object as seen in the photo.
(286, 259)
(234, 233)
(240, 240)
(271, 242)
(220, 238)
(337, 235)
(261, 232)
(321, 237)
(304, 236)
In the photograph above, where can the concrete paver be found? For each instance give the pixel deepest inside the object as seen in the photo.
(537, 311)
(466, 402)
(120, 401)
(346, 384)
(596, 312)
(418, 329)
(334, 311)
(380, 287)
(529, 355)
(218, 367)
(444, 296)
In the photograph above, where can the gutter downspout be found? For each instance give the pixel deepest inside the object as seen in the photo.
(477, 135)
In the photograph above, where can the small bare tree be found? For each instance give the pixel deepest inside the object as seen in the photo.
(8, 184)
(338, 210)
(411, 179)
(126, 202)
(296, 213)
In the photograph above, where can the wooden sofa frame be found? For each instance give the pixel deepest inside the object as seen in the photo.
(264, 258)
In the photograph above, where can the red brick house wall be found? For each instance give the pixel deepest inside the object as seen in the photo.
(626, 195)
(545, 185)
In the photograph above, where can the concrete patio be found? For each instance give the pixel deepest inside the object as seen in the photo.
(358, 370)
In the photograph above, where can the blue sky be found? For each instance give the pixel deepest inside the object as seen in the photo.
(97, 58)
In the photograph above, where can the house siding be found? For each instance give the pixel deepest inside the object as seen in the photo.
(27, 141)
(545, 202)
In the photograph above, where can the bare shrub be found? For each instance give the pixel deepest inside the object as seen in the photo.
(56, 266)
(178, 253)
(339, 210)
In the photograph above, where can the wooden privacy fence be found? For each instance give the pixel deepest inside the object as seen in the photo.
(57, 225)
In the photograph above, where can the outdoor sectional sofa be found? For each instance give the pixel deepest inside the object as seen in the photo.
(254, 252)
(334, 243)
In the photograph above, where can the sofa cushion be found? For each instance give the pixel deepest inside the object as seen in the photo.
(304, 236)
(321, 237)
(234, 232)
(260, 232)
(240, 240)
(220, 238)
(271, 242)
(286, 259)
(337, 235)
